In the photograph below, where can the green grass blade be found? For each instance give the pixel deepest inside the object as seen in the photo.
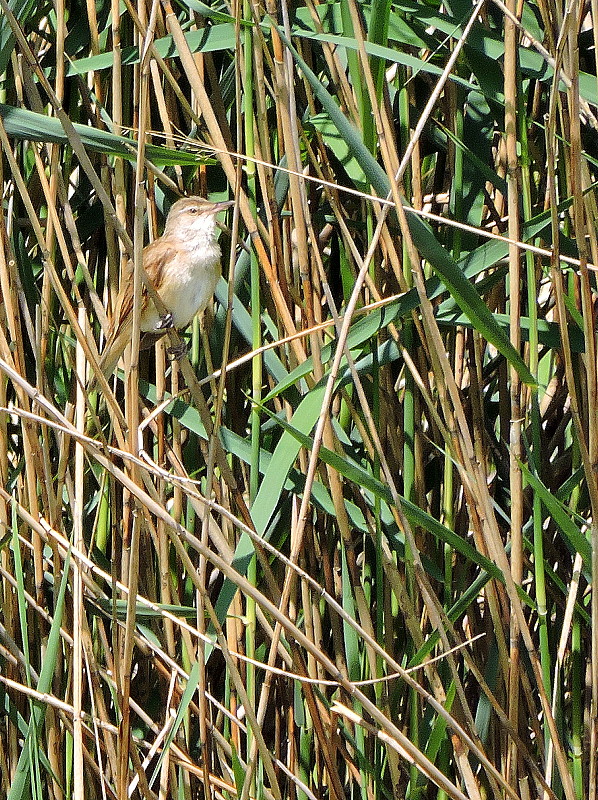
(430, 248)
(24, 124)
(20, 786)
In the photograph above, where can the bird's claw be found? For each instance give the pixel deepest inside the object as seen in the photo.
(166, 321)
(178, 351)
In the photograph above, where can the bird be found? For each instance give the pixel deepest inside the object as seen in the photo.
(182, 265)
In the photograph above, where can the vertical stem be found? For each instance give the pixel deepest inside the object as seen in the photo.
(78, 608)
(515, 478)
(256, 363)
(535, 416)
(131, 563)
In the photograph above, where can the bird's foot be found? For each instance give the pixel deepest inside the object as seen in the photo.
(178, 351)
(166, 321)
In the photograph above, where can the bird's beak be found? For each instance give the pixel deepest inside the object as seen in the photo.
(221, 206)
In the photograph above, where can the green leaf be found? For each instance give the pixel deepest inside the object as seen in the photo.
(356, 474)
(22, 11)
(119, 608)
(350, 635)
(205, 40)
(573, 537)
(340, 148)
(238, 771)
(414, 63)
(360, 332)
(20, 783)
(463, 292)
(185, 701)
(21, 123)
(283, 458)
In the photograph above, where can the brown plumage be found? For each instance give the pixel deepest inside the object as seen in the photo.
(183, 266)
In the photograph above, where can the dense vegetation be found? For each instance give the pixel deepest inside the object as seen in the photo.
(345, 547)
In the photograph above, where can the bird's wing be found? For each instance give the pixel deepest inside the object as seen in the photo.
(156, 256)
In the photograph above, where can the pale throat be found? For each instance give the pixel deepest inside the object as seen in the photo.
(200, 237)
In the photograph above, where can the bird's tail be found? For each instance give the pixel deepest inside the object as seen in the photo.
(115, 347)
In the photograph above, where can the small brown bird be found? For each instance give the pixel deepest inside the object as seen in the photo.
(183, 266)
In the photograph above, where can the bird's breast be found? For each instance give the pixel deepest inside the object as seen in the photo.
(187, 286)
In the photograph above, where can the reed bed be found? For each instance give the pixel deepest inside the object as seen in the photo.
(343, 548)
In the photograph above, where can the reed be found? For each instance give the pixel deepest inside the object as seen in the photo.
(344, 548)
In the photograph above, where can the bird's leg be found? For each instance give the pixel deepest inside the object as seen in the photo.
(149, 339)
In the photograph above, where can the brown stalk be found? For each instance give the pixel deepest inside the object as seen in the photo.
(516, 411)
(220, 143)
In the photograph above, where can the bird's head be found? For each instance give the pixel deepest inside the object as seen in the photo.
(193, 216)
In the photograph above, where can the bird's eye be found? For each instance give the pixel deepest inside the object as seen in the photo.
(194, 210)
